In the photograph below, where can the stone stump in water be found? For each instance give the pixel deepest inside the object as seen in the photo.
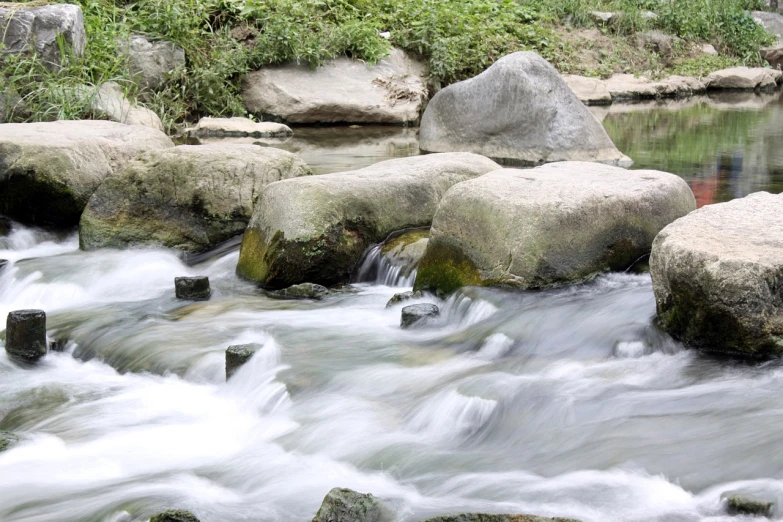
(238, 355)
(192, 288)
(25, 335)
(418, 314)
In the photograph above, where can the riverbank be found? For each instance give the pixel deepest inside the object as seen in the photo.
(222, 40)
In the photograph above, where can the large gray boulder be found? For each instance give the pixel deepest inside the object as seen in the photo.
(346, 505)
(520, 111)
(773, 56)
(36, 28)
(190, 197)
(150, 61)
(717, 277)
(772, 22)
(342, 91)
(315, 229)
(550, 225)
(744, 78)
(48, 171)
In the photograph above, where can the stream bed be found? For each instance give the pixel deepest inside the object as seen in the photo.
(566, 402)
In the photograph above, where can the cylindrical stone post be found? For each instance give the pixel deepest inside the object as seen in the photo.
(25, 335)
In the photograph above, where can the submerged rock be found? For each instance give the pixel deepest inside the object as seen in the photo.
(237, 127)
(418, 314)
(745, 78)
(190, 197)
(25, 335)
(480, 517)
(7, 439)
(238, 355)
(50, 170)
(749, 506)
(346, 505)
(303, 291)
(519, 111)
(175, 516)
(402, 297)
(315, 229)
(342, 91)
(550, 225)
(150, 61)
(192, 288)
(717, 277)
(41, 29)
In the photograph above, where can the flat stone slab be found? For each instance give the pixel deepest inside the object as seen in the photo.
(237, 127)
(628, 86)
(590, 91)
(546, 226)
(745, 78)
(717, 274)
(342, 91)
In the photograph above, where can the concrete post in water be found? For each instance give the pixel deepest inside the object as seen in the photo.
(238, 355)
(192, 288)
(25, 335)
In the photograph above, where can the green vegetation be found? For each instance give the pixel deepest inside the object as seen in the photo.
(223, 39)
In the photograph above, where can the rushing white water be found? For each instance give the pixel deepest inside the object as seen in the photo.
(559, 403)
(381, 270)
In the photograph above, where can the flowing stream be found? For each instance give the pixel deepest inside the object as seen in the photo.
(560, 403)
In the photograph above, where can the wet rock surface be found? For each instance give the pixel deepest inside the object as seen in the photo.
(717, 279)
(192, 288)
(418, 314)
(238, 355)
(175, 516)
(346, 505)
(402, 297)
(303, 291)
(26, 335)
(741, 505)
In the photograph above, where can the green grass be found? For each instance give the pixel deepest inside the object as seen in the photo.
(224, 39)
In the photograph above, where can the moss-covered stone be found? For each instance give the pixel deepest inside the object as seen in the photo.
(749, 506)
(346, 505)
(445, 268)
(238, 355)
(7, 439)
(175, 516)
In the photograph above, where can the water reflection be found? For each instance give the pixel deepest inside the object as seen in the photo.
(726, 146)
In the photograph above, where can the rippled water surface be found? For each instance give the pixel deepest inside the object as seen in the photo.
(566, 402)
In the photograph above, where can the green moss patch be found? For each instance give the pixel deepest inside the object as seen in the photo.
(444, 269)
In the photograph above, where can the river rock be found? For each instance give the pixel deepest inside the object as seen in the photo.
(749, 506)
(402, 297)
(150, 61)
(773, 56)
(37, 28)
(480, 517)
(519, 111)
(111, 102)
(744, 78)
(25, 335)
(628, 86)
(49, 170)
(342, 91)
(550, 225)
(3, 264)
(590, 91)
(7, 439)
(418, 314)
(237, 127)
(717, 274)
(190, 197)
(396, 259)
(238, 355)
(315, 229)
(346, 505)
(192, 288)
(175, 516)
(303, 291)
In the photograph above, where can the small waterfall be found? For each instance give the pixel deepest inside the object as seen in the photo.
(381, 270)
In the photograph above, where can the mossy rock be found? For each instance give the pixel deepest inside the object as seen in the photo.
(316, 229)
(7, 439)
(49, 170)
(175, 516)
(189, 197)
(346, 505)
(548, 226)
(749, 506)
